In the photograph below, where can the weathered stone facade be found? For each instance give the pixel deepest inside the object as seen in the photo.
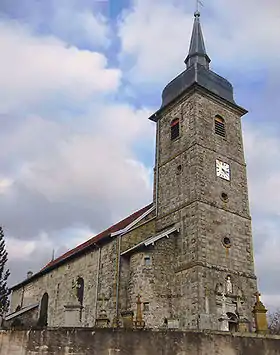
(192, 197)
(189, 255)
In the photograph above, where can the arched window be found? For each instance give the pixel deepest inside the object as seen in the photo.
(43, 317)
(80, 290)
(220, 129)
(232, 323)
(174, 129)
(80, 293)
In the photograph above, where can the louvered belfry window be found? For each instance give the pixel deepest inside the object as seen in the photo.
(175, 128)
(220, 126)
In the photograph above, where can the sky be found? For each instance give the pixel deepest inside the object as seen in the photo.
(78, 81)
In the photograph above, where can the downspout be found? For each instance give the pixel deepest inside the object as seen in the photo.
(157, 167)
(97, 281)
(22, 297)
(118, 277)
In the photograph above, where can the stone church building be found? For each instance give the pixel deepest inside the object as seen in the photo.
(189, 253)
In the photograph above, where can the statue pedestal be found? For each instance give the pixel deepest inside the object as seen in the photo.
(243, 325)
(127, 319)
(102, 321)
(72, 315)
(224, 326)
(259, 312)
(139, 323)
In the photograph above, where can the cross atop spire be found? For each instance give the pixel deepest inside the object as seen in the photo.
(197, 52)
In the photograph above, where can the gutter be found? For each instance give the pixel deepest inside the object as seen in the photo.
(97, 281)
(157, 166)
(127, 228)
(118, 278)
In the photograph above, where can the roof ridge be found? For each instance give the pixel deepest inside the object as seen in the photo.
(101, 234)
(90, 242)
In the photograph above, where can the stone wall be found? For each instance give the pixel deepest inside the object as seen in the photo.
(108, 342)
(155, 282)
(58, 284)
(99, 270)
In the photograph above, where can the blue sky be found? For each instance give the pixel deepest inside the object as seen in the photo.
(79, 78)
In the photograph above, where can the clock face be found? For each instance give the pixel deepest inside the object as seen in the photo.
(222, 170)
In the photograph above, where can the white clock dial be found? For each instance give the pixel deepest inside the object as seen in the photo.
(222, 170)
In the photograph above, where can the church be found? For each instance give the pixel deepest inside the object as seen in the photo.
(185, 261)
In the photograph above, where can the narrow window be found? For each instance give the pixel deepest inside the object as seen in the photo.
(147, 260)
(80, 293)
(146, 306)
(43, 317)
(80, 289)
(220, 126)
(175, 129)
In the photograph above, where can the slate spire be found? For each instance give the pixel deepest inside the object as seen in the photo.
(197, 52)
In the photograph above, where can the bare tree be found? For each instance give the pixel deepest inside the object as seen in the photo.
(4, 274)
(274, 322)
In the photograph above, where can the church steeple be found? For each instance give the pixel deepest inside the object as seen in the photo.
(197, 73)
(197, 52)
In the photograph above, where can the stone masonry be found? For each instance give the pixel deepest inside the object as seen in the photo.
(193, 199)
(189, 254)
(108, 342)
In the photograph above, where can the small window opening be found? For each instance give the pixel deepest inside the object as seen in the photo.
(227, 242)
(175, 129)
(220, 129)
(224, 197)
(146, 306)
(179, 169)
(147, 260)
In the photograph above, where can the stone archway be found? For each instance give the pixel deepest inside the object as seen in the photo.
(43, 317)
(232, 322)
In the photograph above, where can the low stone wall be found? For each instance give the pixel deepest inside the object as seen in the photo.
(109, 342)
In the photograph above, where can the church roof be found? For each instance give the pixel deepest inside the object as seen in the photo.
(90, 244)
(197, 74)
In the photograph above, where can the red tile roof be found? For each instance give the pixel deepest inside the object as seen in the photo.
(91, 242)
(118, 226)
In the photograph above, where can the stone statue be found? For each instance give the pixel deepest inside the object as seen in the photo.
(224, 324)
(73, 293)
(224, 304)
(219, 288)
(229, 288)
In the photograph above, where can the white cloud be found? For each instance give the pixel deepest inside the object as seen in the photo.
(68, 177)
(76, 22)
(155, 37)
(263, 155)
(80, 26)
(75, 170)
(19, 249)
(37, 69)
(5, 184)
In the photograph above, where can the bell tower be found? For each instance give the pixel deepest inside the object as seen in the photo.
(201, 186)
